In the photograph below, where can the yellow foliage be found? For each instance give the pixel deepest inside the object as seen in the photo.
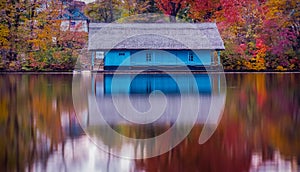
(44, 36)
(257, 63)
(279, 9)
(4, 33)
(280, 68)
(292, 66)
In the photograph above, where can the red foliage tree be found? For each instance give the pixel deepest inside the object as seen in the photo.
(171, 7)
(203, 10)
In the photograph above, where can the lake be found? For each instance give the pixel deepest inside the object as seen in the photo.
(51, 122)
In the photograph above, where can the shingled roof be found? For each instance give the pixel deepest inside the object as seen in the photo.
(173, 36)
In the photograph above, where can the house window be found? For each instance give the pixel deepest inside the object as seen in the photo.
(191, 56)
(148, 57)
(121, 54)
(99, 54)
(72, 24)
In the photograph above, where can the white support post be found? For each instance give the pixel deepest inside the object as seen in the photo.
(219, 61)
(93, 60)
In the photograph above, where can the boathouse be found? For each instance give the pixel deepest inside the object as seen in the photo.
(155, 45)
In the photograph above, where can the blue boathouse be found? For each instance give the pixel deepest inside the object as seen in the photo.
(171, 46)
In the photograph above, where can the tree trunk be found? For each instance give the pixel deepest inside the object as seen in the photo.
(172, 18)
(111, 11)
(174, 11)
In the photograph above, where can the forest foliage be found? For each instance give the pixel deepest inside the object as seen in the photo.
(31, 38)
(258, 34)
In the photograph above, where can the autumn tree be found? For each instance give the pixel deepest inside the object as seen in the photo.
(45, 27)
(4, 32)
(171, 7)
(152, 7)
(134, 7)
(258, 34)
(13, 28)
(280, 31)
(203, 10)
(103, 10)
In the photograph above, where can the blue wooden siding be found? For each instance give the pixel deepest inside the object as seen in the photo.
(115, 58)
(157, 57)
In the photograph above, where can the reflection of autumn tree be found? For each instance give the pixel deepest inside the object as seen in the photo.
(269, 112)
(283, 115)
(31, 120)
(226, 150)
(260, 116)
(14, 128)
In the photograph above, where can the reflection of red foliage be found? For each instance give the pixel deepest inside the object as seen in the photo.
(265, 105)
(225, 151)
(261, 99)
(243, 97)
(258, 117)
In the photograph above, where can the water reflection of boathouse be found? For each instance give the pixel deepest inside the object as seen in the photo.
(108, 115)
(138, 88)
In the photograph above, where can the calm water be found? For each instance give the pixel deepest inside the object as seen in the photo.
(41, 130)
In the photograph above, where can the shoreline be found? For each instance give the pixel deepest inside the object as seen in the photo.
(143, 72)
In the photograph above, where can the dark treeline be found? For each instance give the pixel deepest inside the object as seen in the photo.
(258, 34)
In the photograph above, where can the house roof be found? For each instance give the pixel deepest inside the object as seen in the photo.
(195, 36)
